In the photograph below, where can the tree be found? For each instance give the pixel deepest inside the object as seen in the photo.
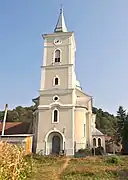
(105, 122)
(125, 138)
(121, 116)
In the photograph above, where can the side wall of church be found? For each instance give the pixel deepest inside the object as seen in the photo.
(80, 128)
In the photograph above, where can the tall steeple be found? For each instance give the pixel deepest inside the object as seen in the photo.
(60, 26)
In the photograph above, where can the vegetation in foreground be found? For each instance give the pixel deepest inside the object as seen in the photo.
(89, 168)
(13, 163)
(48, 167)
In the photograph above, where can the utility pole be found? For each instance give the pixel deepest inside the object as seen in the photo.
(4, 121)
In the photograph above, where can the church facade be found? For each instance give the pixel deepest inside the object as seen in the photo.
(63, 119)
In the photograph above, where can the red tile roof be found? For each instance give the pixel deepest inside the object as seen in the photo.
(15, 128)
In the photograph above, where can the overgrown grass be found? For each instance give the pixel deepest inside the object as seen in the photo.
(46, 167)
(13, 165)
(97, 168)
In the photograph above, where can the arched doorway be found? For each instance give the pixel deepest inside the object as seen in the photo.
(55, 144)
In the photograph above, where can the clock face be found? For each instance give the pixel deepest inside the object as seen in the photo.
(57, 41)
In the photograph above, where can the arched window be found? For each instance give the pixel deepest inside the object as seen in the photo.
(56, 81)
(94, 141)
(55, 116)
(57, 55)
(99, 142)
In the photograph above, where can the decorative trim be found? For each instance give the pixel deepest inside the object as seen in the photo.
(70, 79)
(50, 66)
(54, 98)
(55, 91)
(55, 104)
(56, 34)
(45, 57)
(73, 128)
(42, 82)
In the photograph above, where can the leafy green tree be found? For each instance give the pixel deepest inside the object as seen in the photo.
(105, 122)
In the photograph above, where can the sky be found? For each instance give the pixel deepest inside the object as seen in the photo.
(101, 33)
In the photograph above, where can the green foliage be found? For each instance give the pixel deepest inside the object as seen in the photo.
(121, 116)
(113, 160)
(19, 114)
(98, 151)
(83, 153)
(125, 138)
(122, 129)
(105, 122)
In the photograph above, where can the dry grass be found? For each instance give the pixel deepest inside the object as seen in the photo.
(13, 165)
(46, 168)
(89, 168)
(96, 168)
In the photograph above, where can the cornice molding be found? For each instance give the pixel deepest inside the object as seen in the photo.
(57, 34)
(53, 66)
(55, 104)
(55, 91)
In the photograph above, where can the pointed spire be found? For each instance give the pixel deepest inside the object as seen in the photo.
(60, 26)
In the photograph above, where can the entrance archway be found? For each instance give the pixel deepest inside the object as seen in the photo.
(56, 144)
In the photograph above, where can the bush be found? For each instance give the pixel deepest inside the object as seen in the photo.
(98, 151)
(13, 164)
(83, 153)
(113, 160)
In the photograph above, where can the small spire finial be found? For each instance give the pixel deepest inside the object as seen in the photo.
(61, 8)
(61, 27)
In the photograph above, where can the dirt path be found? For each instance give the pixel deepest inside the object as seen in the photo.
(63, 167)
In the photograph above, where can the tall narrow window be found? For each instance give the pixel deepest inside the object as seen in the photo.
(57, 55)
(56, 81)
(55, 115)
(94, 142)
(99, 142)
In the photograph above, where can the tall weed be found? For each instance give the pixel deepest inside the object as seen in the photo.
(13, 165)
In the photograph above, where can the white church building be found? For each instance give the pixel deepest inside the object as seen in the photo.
(63, 118)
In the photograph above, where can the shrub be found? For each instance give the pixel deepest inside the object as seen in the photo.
(83, 152)
(113, 160)
(98, 151)
(13, 165)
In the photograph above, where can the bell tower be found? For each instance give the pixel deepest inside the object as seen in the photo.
(57, 89)
(59, 58)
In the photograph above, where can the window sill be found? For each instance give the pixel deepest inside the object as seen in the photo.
(56, 63)
(55, 122)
